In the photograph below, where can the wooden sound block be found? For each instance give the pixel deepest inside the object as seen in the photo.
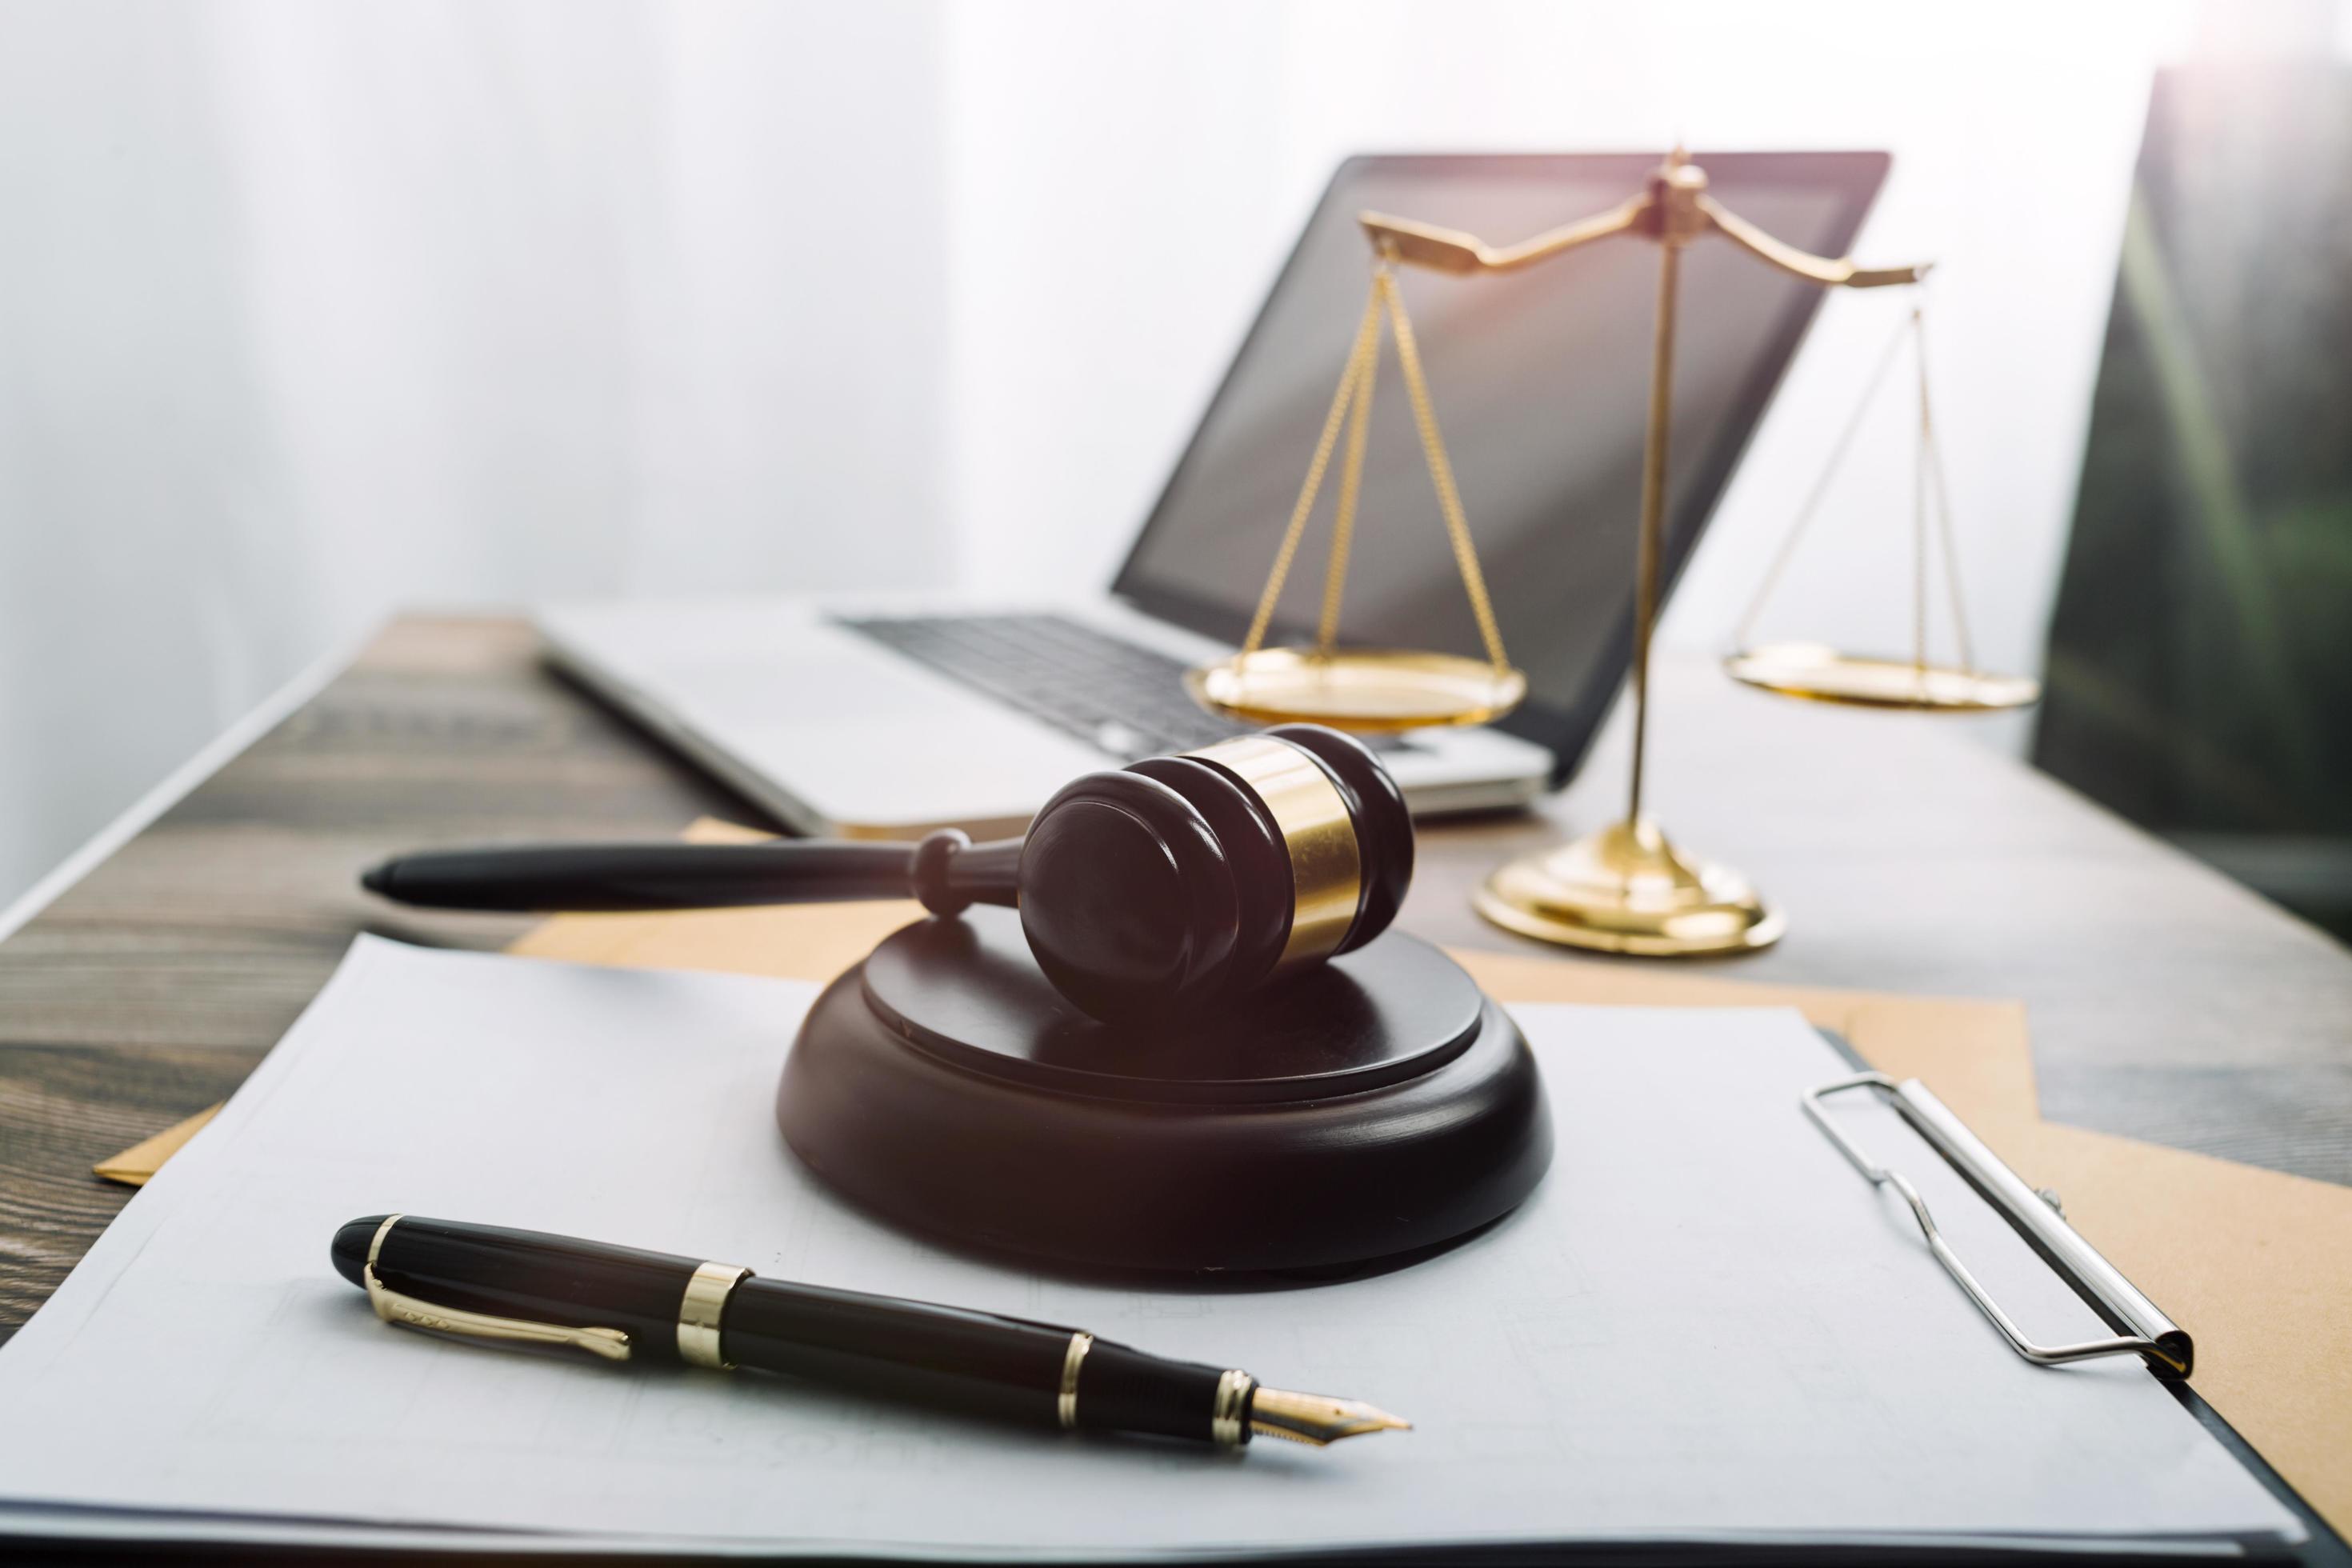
(1376, 1105)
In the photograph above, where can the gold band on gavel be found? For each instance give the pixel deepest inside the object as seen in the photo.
(1326, 871)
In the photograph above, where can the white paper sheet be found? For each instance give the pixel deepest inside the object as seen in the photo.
(1702, 1326)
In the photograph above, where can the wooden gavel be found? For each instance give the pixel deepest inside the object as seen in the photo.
(1171, 885)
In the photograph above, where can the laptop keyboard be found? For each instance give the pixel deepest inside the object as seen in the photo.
(1123, 698)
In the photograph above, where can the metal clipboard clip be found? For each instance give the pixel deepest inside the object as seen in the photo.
(2141, 1329)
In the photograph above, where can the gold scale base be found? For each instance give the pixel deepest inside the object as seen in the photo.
(1627, 889)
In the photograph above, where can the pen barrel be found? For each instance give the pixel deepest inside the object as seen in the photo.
(1122, 1389)
(526, 1275)
(976, 1362)
(941, 1356)
(946, 1357)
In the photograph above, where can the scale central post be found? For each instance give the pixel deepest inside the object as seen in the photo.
(1670, 192)
(1626, 888)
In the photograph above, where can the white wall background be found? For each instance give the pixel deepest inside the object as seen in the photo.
(309, 311)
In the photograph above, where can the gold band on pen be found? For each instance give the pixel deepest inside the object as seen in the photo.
(699, 1311)
(1226, 1417)
(375, 1242)
(1326, 868)
(1066, 1405)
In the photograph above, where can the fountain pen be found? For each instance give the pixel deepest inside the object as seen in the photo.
(622, 1304)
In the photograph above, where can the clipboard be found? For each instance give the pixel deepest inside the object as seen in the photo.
(2038, 1215)
(1760, 1115)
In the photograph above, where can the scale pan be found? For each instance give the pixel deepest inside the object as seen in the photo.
(1366, 690)
(1822, 674)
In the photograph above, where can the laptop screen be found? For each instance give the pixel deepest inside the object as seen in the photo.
(1540, 381)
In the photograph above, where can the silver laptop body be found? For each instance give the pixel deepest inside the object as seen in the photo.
(834, 732)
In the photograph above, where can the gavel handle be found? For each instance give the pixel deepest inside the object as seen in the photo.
(947, 871)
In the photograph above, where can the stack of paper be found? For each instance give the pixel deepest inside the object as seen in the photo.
(1703, 1328)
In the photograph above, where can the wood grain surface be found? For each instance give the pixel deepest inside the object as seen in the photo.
(149, 990)
(2165, 1003)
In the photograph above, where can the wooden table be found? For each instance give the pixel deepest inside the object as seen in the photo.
(2166, 1001)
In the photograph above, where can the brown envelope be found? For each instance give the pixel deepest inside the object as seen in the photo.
(135, 1164)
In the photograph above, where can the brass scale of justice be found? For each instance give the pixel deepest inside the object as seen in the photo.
(1627, 888)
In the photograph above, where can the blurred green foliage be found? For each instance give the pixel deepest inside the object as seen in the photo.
(2200, 653)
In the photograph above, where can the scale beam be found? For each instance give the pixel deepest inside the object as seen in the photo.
(1436, 249)
(1675, 207)
(1841, 273)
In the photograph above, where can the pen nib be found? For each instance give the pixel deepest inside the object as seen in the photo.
(1316, 1418)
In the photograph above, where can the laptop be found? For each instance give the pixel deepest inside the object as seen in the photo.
(888, 716)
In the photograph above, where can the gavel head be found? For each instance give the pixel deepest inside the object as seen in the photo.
(1178, 882)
